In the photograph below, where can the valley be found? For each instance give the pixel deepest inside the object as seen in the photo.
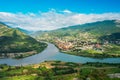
(98, 39)
(72, 53)
(59, 39)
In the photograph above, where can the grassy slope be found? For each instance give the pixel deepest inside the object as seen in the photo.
(14, 41)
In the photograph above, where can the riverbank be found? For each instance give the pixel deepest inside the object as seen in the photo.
(104, 55)
(88, 54)
(20, 55)
(57, 70)
(17, 55)
(52, 53)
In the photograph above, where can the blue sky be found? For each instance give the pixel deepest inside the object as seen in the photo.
(53, 14)
(81, 6)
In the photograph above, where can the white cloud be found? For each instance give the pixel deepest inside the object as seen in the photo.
(66, 11)
(52, 19)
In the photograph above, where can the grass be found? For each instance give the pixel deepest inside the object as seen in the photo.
(23, 77)
(59, 71)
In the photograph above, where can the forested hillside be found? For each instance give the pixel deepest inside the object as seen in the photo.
(13, 41)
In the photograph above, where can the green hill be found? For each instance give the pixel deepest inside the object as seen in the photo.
(13, 41)
(100, 27)
(91, 39)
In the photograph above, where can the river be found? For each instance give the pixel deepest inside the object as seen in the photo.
(52, 53)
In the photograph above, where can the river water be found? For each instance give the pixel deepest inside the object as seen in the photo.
(52, 53)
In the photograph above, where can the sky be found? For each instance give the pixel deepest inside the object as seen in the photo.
(53, 14)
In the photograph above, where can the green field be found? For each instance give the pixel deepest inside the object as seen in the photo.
(57, 70)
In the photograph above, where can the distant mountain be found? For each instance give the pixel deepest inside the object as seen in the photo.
(100, 27)
(25, 31)
(38, 32)
(15, 41)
